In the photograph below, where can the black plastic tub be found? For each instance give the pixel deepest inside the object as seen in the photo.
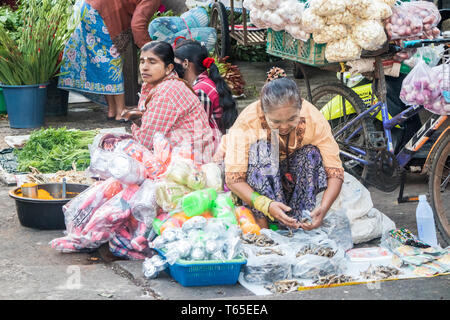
(45, 214)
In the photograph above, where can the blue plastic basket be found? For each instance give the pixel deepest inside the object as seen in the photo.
(205, 273)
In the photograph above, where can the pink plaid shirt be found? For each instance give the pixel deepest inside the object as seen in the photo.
(175, 111)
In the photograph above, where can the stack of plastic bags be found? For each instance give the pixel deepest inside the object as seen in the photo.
(192, 24)
(199, 239)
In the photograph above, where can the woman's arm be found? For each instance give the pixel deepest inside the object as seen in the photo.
(141, 17)
(329, 196)
(276, 209)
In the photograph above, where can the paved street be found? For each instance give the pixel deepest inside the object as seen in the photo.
(30, 269)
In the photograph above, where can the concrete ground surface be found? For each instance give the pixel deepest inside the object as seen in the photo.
(30, 269)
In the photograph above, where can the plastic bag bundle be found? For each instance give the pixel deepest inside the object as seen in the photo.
(377, 10)
(78, 211)
(110, 217)
(170, 194)
(143, 203)
(318, 259)
(311, 22)
(358, 6)
(163, 28)
(213, 176)
(99, 164)
(403, 23)
(199, 239)
(223, 208)
(439, 106)
(430, 54)
(127, 170)
(342, 50)
(369, 35)
(419, 88)
(345, 17)
(429, 16)
(296, 31)
(246, 220)
(94, 216)
(330, 33)
(153, 266)
(325, 8)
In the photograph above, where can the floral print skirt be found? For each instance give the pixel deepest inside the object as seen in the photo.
(92, 64)
(306, 172)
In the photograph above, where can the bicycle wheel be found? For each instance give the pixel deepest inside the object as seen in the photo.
(339, 105)
(219, 21)
(439, 187)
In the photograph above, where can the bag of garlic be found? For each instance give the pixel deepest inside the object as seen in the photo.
(369, 34)
(326, 8)
(342, 50)
(312, 22)
(345, 17)
(330, 33)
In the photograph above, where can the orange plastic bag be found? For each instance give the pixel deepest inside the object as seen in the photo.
(246, 220)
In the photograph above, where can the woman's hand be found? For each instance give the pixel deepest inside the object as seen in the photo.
(317, 216)
(277, 211)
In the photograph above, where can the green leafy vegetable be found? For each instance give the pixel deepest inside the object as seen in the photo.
(53, 149)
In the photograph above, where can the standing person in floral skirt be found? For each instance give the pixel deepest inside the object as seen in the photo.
(93, 64)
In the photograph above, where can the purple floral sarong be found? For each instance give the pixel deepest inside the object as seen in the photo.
(307, 172)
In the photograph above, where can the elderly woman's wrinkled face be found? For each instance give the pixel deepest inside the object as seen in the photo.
(283, 118)
(152, 68)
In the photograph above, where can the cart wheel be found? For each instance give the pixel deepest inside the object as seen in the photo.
(298, 74)
(219, 21)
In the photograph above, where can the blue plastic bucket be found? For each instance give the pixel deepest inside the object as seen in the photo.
(2, 102)
(25, 105)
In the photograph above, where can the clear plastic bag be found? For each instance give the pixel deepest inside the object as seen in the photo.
(267, 268)
(325, 8)
(358, 6)
(377, 10)
(316, 259)
(418, 87)
(126, 169)
(213, 176)
(170, 194)
(429, 16)
(143, 203)
(330, 33)
(403, 23)
(337, 227)
(345, 17)
(342, 50)
(369, 34)
(312, 22)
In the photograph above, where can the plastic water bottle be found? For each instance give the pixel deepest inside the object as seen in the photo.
(425, 222)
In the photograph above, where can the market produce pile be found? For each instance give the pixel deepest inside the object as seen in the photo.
(347, 26)
(54, 149)
(163, 200)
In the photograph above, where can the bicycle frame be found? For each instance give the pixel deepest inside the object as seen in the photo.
(413, 145)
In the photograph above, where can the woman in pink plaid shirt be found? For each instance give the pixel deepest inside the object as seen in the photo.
(171, 107)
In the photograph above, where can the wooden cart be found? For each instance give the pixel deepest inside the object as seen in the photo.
(223, 20)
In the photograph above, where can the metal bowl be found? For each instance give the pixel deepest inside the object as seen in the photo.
(45, 214)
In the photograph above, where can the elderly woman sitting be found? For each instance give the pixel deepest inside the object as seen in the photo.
(279, 155)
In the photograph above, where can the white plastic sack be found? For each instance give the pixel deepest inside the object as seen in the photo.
(366, 222)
